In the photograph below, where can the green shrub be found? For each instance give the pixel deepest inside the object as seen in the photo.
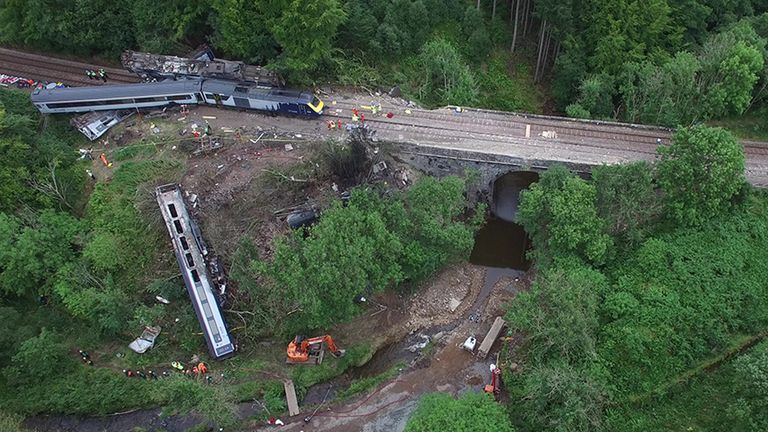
(477, 412)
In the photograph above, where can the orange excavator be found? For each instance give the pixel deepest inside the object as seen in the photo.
(303, 350)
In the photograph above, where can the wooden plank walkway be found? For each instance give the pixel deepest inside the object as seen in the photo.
(290, 397)
(491, 337)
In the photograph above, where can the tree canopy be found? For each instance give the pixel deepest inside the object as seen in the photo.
(559, 214)
(373, 243)
(700, 172)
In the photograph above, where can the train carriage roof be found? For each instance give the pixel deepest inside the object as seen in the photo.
(249, 90)
(163, 88)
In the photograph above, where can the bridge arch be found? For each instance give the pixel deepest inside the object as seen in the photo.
(505, 192)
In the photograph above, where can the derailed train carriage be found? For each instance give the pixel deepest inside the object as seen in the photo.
(170, 93)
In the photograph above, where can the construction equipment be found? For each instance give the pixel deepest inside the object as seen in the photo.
(495, 386)
(303, 350)
(469, 344)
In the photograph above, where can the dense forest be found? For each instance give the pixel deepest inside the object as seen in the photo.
(647, 276)
(649, 303)
(668, 62)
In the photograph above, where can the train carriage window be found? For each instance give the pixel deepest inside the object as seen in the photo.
(90, 103)
(184, 243)
(190, 260)
(177, 224)
(209, 95)
(195, 276)
(172, 209)
(241, 89)
(180, 97)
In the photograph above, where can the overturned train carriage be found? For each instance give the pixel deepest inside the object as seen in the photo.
(168, 93)
(202, 65)
(190, 253)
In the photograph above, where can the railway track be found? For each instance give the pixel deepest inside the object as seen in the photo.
(51, 69)
(479, 130)
(628, 137)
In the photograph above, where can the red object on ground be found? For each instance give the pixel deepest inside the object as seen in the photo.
(103, 158)
(338, 124)
(362, 117)
(390, 114)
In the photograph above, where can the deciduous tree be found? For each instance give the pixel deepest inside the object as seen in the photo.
(559, 214)
(700, 172)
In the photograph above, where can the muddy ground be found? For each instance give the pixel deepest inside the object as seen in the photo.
(433, 315)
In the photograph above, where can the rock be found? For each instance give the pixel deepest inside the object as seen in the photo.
(438, 335)
(453, 304)
(395, 92)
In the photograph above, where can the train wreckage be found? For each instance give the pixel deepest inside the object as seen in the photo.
(160, 67)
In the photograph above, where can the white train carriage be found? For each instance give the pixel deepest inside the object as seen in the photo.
(116, 97)
(190, 251)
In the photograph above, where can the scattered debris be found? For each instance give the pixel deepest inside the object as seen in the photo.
(146, 340)
(379, 167)
(475, 317)
(86, 154)
(162, 300)
(549, 134)
(302, 218)
(288, 147)
(97, 123)
(453, 304)
(160, 67)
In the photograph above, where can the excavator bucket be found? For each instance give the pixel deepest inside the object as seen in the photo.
(339, 353)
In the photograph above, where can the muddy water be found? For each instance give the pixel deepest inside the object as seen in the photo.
(502, 243)
(406, 352)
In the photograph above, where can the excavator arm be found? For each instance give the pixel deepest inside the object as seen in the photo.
(300, 349)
